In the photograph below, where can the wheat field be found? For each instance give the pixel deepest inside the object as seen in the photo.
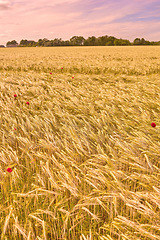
(79, 159)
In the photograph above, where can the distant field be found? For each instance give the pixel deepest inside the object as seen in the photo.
(128, 60)
(79, 158)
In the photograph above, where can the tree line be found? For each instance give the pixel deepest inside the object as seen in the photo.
(81, 41)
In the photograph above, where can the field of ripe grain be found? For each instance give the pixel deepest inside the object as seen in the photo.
(79, 159)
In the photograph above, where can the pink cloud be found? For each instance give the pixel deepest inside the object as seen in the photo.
(65, 18)
(4, 5)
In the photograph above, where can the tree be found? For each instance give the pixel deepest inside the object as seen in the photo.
(121, 42)
(23, 42)
(45, 42)
(77, 41)
(91, 41)
(142, 41)
(31, 43)
(40, 43)
(13, 42)
(147, 43)
(57, 42)
(80, 41)
(110, 41)
(137, 41)
(66, 43)
(101, 41)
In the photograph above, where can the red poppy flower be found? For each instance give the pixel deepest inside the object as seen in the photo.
(61, 67)
(72, 77)
(15, 95)
(27, 103)
(153, 124)
(14, 128)
(50, 73)
(9, 169)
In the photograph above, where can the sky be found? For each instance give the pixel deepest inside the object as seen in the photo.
(35, 19)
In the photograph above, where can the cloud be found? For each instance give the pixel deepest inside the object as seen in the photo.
(3, 35)
(4, 5)
(32, 19)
